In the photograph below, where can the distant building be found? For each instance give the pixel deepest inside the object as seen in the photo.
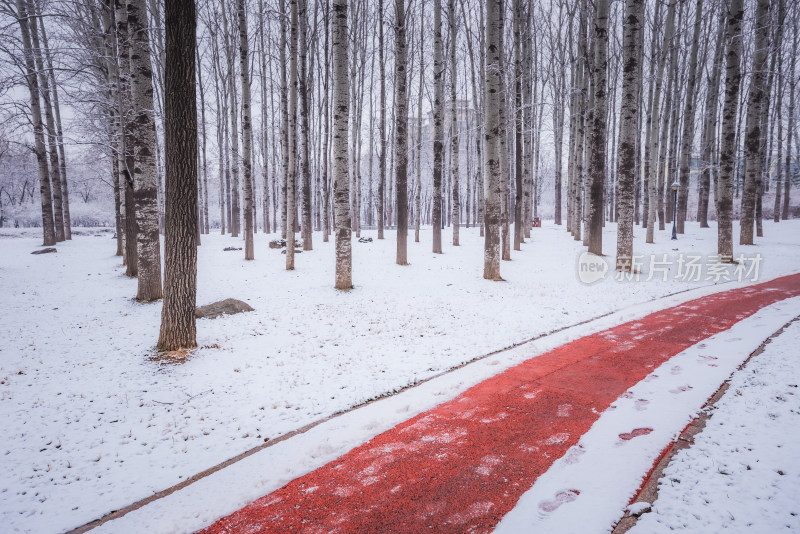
(466, 117)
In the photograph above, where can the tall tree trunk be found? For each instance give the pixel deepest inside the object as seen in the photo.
(107, 26)
(733, 75)
(754, 155)
(438, 125)
(381, 127)
(476, 69)
(598, 126)
(518, 148)
(143, 131)
(47, 108)
(582, 78)
(656, 167)
(454, 137)
(126, 136)
(787, 181)
(341, 116)
(651, 114)
(418, 192)
(776, 210)
(236, 159)
(220, 98)
(247, 133)
(62, 161)
(710, 123)
(291, 176)
(178, 330)
(528, 120)
(264, 137)
(669, 138)
(688, 121)
(505, 144)
(202, 200)
(401, 131)
(48, 225)
(326, 206)
(284, 114)
(492, 131)
(628, 131)
(305, 128)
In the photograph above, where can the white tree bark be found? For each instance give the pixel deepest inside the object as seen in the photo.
(145, 178)
(291, 146)
(733, 75)
(491, 145)
(341, 116)
(754, 158)
(628, 131)
(247, 132)
(454, 137)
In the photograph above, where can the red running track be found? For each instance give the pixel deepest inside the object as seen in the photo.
(464, 464)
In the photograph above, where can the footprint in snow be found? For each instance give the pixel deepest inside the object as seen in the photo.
(641, 404)
(635, 433)
(562, 497)
(680, 389)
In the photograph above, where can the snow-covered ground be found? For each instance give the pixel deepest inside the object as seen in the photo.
(743, 472)
(93, 422)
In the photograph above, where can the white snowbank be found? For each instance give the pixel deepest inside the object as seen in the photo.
(743, 472)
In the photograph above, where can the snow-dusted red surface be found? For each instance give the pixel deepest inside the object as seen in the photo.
(463, 465)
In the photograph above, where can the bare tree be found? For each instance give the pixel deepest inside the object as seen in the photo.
(48, 225)
(126, 163)
(628, 130)
(598, 129)
(143, 131)
(733, 75)
(59, 131)
(247, 135)
(519, 234)
(341, 117)
(710, 123)
(401, 131)
(304, 124)
(438, 125)
(688, 121)
(47, 109)
(178, 329)
(381, 126)
(754, 155)
(656, 167)
(492, 131)
(291, 175)
(454, 137)
(418, 192)
(790, 124)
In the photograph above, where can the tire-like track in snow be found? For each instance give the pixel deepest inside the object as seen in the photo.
(464, 464)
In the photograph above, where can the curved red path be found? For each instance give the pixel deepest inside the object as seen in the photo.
(464, 464)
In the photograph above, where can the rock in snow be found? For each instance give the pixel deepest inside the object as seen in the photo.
(44, 251)
(281, 243)
(222, 307)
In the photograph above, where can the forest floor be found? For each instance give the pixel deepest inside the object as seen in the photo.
(95, 422)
